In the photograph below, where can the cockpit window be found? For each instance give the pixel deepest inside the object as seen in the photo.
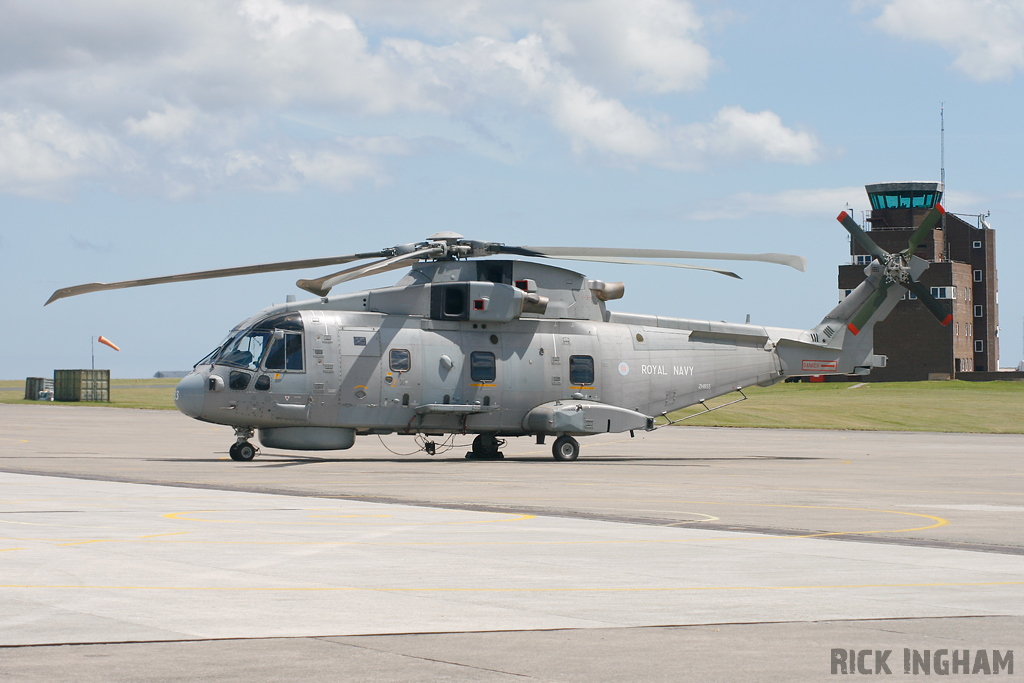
(245, 350)
(285, 321)
(246, 345)
(285, 352)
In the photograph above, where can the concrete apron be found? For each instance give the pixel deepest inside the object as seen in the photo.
(94, 562)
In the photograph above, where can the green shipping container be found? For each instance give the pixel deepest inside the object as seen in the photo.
(81, 385)
(33, 385)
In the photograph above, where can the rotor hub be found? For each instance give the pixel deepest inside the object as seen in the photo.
(897, 270)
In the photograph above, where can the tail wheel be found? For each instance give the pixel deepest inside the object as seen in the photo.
(244, 451)
(565, 448)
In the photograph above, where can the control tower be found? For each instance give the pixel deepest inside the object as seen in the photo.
(961, 275)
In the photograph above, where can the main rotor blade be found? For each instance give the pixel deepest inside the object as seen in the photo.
(322, 286)
(598, 253)
(922, 230)
(210, 274)
(644, 262)
(937, 309)
(862, 237)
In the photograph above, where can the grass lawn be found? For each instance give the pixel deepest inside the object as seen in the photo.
(947, 406)
(952, 406)
(156, 394)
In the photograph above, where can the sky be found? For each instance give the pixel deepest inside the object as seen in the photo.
(146, 139)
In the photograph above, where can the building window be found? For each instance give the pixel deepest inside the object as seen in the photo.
(977, 244)
(979, 311)
(482, 367)
(863, 259)
(911, 296)
(956, 329)
(944, 292)
(977, 276)
(979, 346)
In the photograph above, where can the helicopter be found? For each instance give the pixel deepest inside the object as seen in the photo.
(465, 343)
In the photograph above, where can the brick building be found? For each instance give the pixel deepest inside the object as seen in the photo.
(961, 275)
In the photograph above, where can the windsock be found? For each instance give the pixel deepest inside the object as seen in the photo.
(103, 340)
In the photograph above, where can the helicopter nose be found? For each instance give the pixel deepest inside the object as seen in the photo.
(191, 395)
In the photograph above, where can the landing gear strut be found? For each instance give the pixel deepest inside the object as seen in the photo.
(243, 450)
(485, 447)
(565, 448)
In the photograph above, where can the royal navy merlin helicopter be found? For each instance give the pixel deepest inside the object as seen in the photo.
(466, 344)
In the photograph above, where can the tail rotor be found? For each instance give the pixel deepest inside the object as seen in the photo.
(902, 268)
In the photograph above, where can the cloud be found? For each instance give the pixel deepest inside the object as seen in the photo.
(645, 45)
(170, 124)
(86, 245)
(43, 153)
(824, 201)
(987, 36)
(735, 134)
(192, 96)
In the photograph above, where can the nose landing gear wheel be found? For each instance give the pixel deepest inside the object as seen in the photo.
(244, 451)
(565, 448)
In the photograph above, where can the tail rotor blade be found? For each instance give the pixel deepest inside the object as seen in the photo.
(869, 308)
(925, 296)
(862, 237)
(922, 230)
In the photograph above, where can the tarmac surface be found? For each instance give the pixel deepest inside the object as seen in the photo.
(132, 548)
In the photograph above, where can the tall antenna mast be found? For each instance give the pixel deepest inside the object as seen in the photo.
(942, 143)
(942, 162)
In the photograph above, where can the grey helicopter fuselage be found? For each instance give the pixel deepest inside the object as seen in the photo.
(497, 348)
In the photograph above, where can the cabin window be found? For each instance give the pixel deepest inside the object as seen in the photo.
(482, 366)
(238, 380)
(400, 360)
(581, 370)
(285, 352)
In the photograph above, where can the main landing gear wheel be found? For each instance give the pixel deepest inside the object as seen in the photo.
(566, 448)
(244, 451)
